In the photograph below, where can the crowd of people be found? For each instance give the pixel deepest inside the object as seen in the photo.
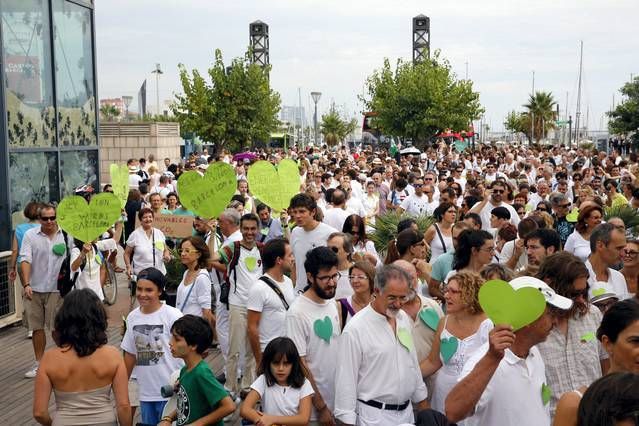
(319, 325)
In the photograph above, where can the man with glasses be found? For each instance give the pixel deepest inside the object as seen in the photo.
(492, 174)
(417, 204)
(573, 356)
(493, 197)
(560, 208)
(376, 380)
(313, 323)
(43, 251)
(607, 244)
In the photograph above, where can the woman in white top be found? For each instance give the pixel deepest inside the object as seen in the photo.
(194, 292)
(243, 190)
(363, 248)
(463, 330)
(578, 243)
(146, 246)
(440, 234)
(87, 261)
(371, 203)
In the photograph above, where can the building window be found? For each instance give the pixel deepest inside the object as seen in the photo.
(78, 168)
(74, 74)
(34, 176)
(28, 80)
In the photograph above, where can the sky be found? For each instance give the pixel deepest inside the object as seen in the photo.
(333, 46)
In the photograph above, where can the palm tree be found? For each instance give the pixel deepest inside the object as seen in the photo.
(541, 106)
(109, 112)
(334, 128)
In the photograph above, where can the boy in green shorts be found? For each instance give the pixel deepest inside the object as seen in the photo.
(201, 399)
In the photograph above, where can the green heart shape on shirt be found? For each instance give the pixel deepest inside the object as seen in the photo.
(59, 249)
(429, 317)
(405, 338)
(448, 347)
(323, 329)
(546, 393)
(588, 337)
(251, 263)
(159, 245)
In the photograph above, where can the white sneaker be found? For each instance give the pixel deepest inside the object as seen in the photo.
(30, 334)
(32, 373)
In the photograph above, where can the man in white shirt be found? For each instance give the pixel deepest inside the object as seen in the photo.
(493, 198)
(606, 245)
(270, 297)
(508, 370)
(312, 322)
(336, 215)
(416, 204)
(307, 234)
(242, 264)
(377, 370)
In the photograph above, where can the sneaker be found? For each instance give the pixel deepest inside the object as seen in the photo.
(32, 373)
(30, 334)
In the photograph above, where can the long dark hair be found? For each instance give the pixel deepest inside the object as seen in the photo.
(466, 241)
(278, 348)
(81, 322)
(609, 400)
(353, 221)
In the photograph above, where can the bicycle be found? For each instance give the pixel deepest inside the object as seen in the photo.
(110, 288)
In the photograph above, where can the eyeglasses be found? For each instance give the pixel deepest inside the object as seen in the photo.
(401, 299)
(357, 277)
(451, 291)
(335, 249)
(488, 249)
(576, 293)
(327, 278)
(631, 253)
(47, 218)
(498, 191)
(428, 178)
(418, 185)
(540, 209)
(187, 251)
(521, 213)
(564, 206)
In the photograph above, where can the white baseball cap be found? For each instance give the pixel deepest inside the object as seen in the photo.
(549, 294)
(601, 291)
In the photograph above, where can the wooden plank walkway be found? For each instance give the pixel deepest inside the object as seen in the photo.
(16, 353)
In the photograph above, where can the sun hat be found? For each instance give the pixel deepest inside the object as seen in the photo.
(601, 291)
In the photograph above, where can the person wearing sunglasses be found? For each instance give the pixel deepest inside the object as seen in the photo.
(630, 268)
(43, 250)
(194, 292)
(560, 208)
(494, 197)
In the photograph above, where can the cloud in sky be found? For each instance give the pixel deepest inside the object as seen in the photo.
(332, 46)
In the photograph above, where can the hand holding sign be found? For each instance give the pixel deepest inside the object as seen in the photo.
(208, 195)
(505, 305)
(120, 182)
(274, 187)
(86, 222)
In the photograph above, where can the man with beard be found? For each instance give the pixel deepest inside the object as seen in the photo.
(312, 322)
(377, 365)
(508, 370)
(573, 356)
(494, 198)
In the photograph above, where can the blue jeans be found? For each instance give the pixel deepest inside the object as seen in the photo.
(151, 412)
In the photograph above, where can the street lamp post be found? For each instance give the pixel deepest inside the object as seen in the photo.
(127, 103)
(157, 71)
(316, 97)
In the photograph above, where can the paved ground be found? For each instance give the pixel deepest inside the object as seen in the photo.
(16, 353)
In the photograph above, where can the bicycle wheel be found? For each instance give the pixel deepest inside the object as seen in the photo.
(110, 288)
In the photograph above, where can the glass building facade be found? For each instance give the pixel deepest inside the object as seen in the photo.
(49, 120)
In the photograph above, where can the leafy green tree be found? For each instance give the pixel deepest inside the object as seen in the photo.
(513, 122)
(235, 108)
(334, 128)
(625, 117)
(109, 112)
(540, 109)
(417, 101)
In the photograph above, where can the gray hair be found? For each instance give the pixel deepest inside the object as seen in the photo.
(391, 272)
(347, 244)
(603, 233)
(557, 198)
(232, 216)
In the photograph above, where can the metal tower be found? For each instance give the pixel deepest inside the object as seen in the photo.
(258, 32)
(421, 38)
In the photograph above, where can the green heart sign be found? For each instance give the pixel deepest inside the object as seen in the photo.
(448, 347)
(405, 339)
(429, 317)
(503, 305)
(120, 182)
(86, 222)
(546, 393)
(207, 195)
(573, 215)
(274, 187)
(323, 329)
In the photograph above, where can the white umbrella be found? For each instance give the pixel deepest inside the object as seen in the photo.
(410, 150)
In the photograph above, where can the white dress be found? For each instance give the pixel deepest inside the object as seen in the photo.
(447, 376)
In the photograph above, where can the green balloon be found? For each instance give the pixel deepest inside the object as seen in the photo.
(274, 187)
(87, 222)
(208, 195)
(120, 182)
(503, 305)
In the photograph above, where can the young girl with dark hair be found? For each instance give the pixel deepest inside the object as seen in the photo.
(282, 387)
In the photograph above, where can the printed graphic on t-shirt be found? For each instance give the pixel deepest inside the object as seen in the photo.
(183, 406)
(148, 343)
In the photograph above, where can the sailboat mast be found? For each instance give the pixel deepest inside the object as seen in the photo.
(578, 112)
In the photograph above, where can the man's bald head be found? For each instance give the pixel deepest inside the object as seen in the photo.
(410, 269)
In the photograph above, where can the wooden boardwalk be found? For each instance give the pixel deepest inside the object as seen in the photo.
(16, 353)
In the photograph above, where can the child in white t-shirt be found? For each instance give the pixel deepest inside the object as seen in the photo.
(283, 389)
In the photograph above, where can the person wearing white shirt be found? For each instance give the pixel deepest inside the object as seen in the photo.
(313, 323)
(194, 292)
(87, 260)
(146, 246)
(270, 297)
(493, 198)
(378, 377)
(418, 203)
(307, 234)
(507, 370)
(336, 216)
(607, 244)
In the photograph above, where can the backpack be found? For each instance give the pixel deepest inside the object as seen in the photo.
(233, 254)
(66, 282)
